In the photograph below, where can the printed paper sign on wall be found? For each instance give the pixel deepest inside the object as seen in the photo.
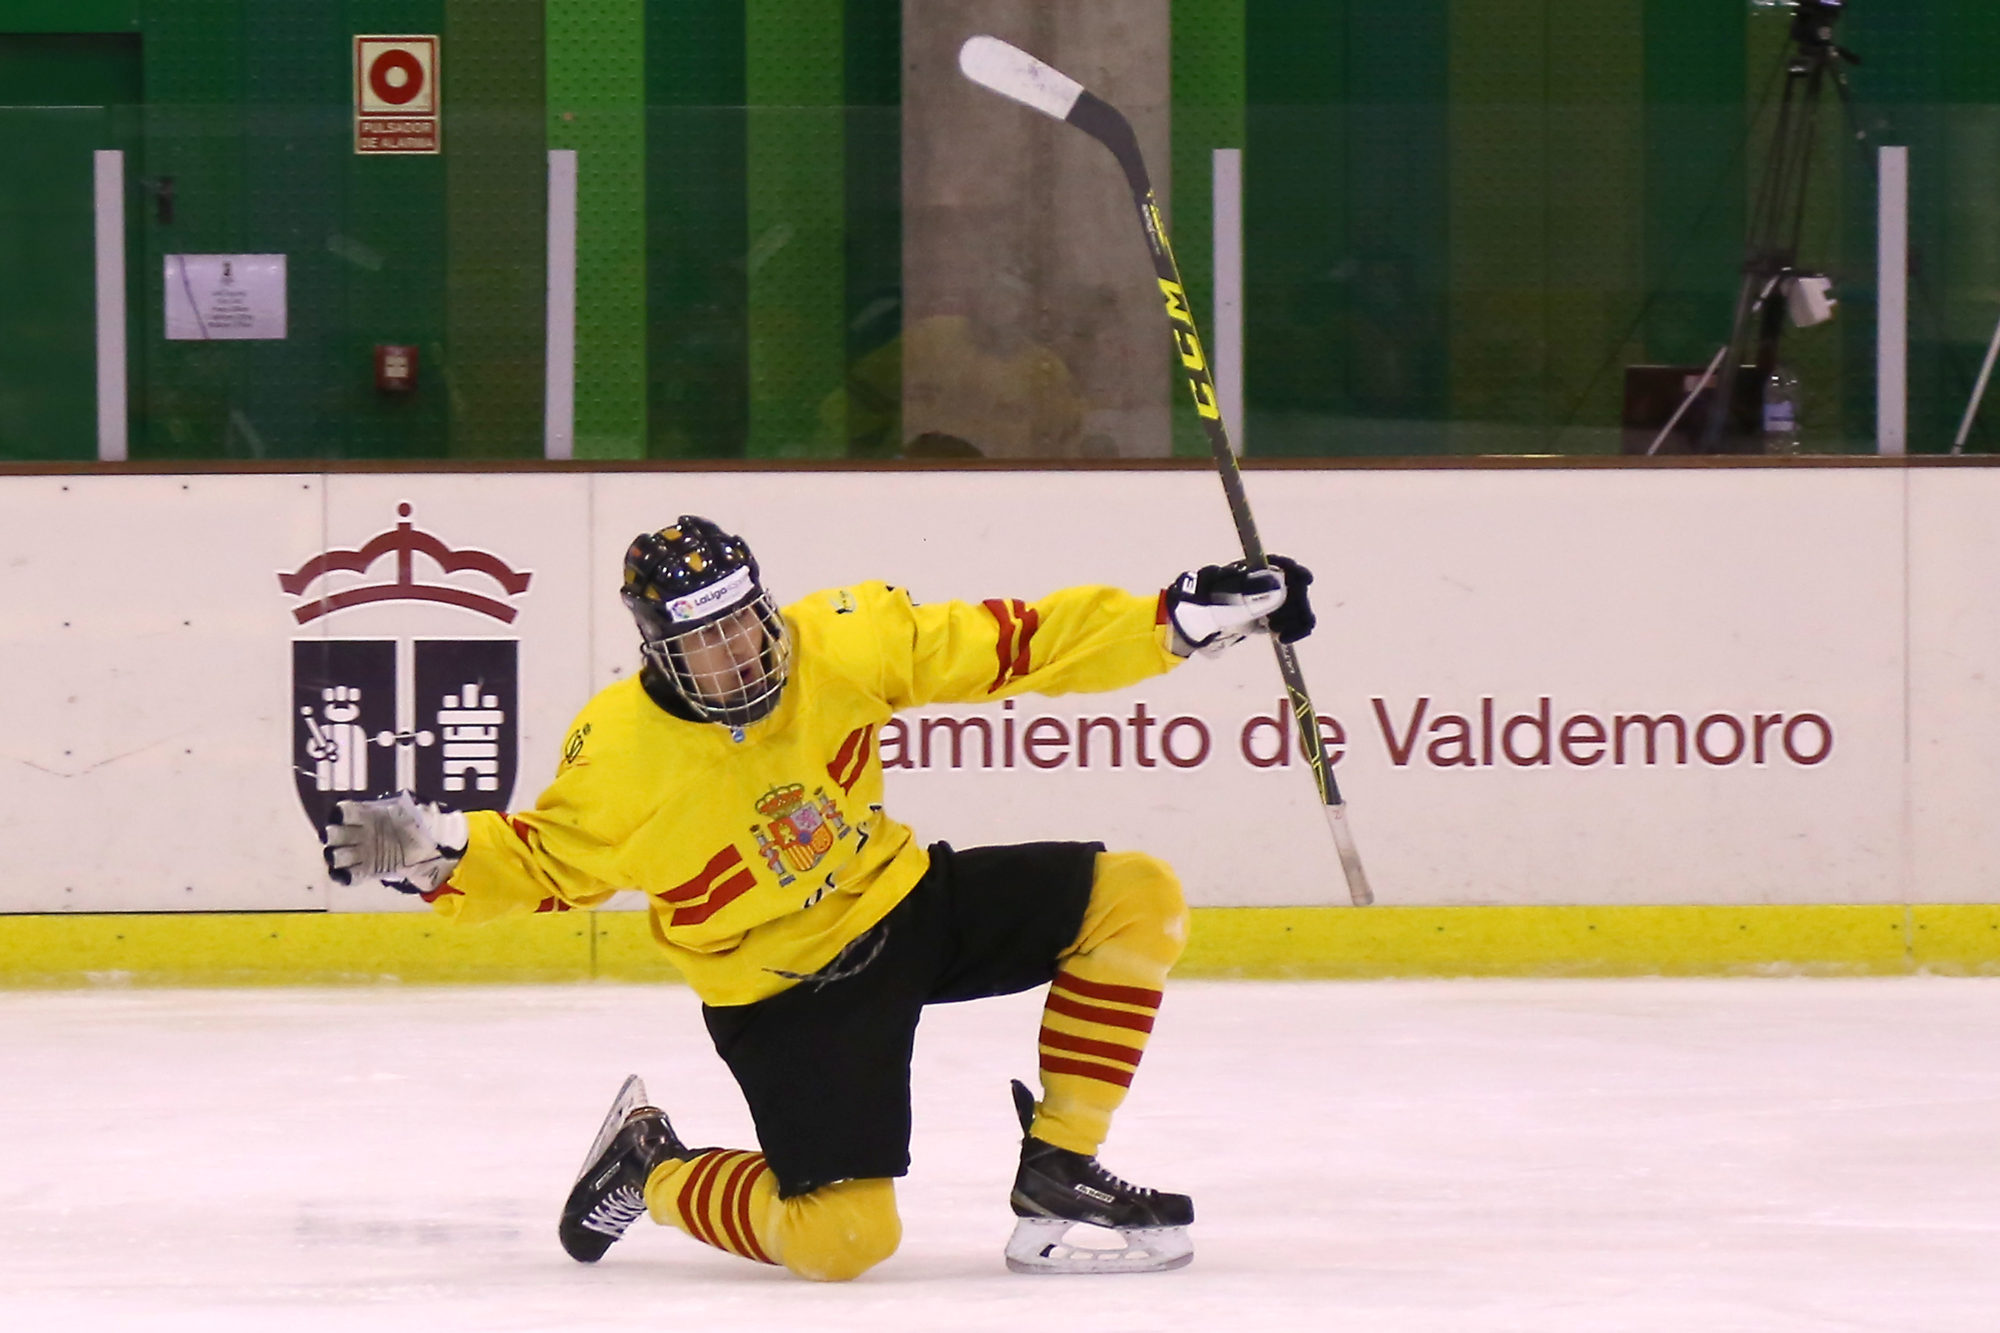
(396, 95)
(224, 296)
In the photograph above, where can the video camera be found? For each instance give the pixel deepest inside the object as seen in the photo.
(1812, 20)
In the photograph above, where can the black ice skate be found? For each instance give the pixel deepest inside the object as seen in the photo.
(610, 1193)
(1056, 1189)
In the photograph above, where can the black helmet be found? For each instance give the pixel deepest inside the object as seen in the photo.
(707, 626)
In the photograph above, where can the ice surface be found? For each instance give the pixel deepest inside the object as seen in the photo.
(1616, 1157)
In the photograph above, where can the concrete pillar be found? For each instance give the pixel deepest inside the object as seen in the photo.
(1032, 325)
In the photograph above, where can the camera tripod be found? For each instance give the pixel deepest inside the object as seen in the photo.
(1772, 286)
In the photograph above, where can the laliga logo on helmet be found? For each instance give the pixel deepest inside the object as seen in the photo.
(454, 738)
(726, 593)
(406, 542)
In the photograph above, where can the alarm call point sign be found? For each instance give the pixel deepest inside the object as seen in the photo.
(396, 95)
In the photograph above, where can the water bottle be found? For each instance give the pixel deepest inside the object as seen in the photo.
(1781, 412)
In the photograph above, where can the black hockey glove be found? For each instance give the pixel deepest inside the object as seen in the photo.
(1218, 605)
(1295, 619)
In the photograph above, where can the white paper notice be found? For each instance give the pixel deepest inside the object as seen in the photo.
(225, 296)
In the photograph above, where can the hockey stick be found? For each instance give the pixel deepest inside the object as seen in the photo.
(1014, 73)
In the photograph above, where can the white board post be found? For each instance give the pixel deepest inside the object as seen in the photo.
(1228, 229)
(1892, 390)
(559, 426)
(109, 174)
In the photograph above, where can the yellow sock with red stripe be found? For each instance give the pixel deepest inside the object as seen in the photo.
(729, 1199)
(1106, 994)
(721, 1198)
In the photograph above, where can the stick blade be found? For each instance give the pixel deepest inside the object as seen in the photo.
(1012, 72)
(1350, 856)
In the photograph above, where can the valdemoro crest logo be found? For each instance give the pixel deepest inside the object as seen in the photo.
(434, 715)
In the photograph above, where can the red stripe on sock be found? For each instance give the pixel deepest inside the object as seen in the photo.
(1097, 990)
(697, 1225)
(1104, 1050)
(757, 1172)
(1115, 1018)
(1052, 1064)
(726, 1211)
(705, 1201)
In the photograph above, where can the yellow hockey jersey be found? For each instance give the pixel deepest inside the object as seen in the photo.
(763, 857)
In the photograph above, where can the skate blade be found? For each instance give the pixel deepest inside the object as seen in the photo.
(631, 1094)
(1043, 1245)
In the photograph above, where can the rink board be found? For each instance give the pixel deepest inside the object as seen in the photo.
(1548, 688)
(1275, 943)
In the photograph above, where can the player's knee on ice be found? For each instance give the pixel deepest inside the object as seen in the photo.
(1136, 909)
(840, 1231)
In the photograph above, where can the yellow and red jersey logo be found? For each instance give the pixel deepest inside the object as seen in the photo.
(797, 830)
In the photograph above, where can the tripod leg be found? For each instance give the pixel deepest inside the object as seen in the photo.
(1687, 402)
(1978, 393)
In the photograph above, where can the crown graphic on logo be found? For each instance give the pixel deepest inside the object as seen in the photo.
(405, 541)
(781, 801)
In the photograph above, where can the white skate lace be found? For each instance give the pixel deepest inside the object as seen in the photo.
(616, 1211)
(1117, 1183)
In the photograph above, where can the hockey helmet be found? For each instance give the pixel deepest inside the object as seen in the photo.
(707, 625)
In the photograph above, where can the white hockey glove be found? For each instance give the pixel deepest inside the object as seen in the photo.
(1218, 605)
(408, 845)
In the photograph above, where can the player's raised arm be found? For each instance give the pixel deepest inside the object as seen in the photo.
(1084, 638)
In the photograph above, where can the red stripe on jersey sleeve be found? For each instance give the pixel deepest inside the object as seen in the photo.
(846, 752)
(861, 760)
(718, 865)
(1006, 644)
(725, 893)
(855, 752)
(862, 754)
(1031, 620)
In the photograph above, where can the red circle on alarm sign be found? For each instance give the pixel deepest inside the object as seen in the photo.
(378, 77)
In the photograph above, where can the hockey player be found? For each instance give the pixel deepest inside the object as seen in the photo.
(735, 781)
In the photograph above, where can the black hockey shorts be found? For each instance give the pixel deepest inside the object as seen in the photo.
(825, 1065)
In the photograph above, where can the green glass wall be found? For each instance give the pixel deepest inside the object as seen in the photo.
(697, 309)
(1931, 82)
(1464, 219)
(63, 96)
(1347, 171)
